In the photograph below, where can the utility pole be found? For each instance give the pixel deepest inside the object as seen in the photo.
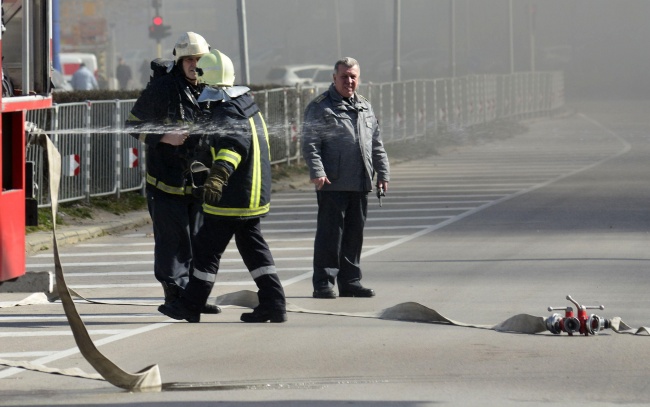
(452, 39)
(531, 14)
(243, 41)
(338, 29)
(511, 34)
(397, 74)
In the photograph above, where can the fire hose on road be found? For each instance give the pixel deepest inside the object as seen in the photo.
(149, 378)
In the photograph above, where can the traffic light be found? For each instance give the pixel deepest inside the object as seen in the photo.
(158, 30)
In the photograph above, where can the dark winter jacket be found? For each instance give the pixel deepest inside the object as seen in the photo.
(239, 141)
(168, 103)
(341, 141)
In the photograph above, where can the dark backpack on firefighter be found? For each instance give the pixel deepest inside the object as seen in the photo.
(160, 67)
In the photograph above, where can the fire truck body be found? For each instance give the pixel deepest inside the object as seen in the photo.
(25, 46)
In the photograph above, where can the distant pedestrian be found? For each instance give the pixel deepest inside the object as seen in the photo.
(123, 74)
(83, 79)
(145, 73)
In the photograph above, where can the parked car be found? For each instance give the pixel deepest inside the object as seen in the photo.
(292, 75)
(323, 77)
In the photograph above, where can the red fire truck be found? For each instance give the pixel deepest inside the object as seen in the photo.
(25, 46)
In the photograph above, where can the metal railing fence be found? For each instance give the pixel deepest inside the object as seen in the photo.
(98, 158)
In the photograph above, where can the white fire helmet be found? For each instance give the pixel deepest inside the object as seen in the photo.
(216, 69)
(190, 44)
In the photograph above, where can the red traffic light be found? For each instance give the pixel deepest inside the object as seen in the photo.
(157, 20)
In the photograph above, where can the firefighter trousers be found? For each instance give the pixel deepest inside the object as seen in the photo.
(211, 242)
(176, 221)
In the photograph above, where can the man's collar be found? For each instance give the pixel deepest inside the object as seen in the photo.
(336, 96)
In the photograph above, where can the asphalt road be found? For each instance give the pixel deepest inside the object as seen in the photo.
(479, 234)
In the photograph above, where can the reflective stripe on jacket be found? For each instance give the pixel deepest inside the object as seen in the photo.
(241, 145)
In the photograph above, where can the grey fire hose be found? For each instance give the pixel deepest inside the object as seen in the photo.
(149, 377)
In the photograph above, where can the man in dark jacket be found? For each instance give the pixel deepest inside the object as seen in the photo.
(123, 74)
(342, 147)
(160, 119)
(237, 193)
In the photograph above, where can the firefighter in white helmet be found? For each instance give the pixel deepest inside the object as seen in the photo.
(237, 194)
(160, 119)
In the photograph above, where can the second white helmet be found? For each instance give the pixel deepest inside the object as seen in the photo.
(216, 69)
(190, 44)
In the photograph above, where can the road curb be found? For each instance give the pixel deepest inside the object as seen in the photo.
(66, 235)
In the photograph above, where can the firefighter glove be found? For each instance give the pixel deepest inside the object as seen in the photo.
(213, 186)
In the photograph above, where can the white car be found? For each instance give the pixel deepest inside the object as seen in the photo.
(323, 77)
(292, 75)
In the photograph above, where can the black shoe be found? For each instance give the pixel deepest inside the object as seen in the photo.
(172, 292)
(210, 309)
(357, 292)
(324, 293)
(263, 315)
(178, 310)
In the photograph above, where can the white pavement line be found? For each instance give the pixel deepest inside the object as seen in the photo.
(408, 196)
(72, 351)
(22, 334)
(25, 354)
(313, 230)
(115, 244)
(91, 254)
(116, 263)
(410, 202)
(104, 253)
(84, 316)
(276, 206)
(110, 264)
(429, 209)
(370, 220)
(626, 148)
(124, 263)
(512, 185)
(289, 239)
(150, 272)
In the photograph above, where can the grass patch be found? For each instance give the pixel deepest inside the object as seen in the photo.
(69, 211)
(128, 202)
(282, 171)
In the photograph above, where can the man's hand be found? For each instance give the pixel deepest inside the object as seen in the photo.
(213, 187)
(175, 138)
(320, 182)
(382, 187)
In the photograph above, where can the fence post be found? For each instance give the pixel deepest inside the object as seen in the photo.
(287, 126)
(298, 125)
(118, 149)
(87, 142)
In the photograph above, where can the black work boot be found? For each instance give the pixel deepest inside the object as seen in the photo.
(172, 292)
(263, 314)
(180, 309)
(272, 303)
(210, 309)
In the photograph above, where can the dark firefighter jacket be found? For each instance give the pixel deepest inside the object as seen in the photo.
(239, 141)
(167, 102)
